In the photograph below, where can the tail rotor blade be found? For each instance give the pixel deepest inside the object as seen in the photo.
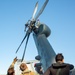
(41, 10)
(35, 10)
(21, 43)
(25, 47)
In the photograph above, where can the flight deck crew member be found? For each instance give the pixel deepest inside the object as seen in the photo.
(59, 68)
(25, 70)
(11, 70)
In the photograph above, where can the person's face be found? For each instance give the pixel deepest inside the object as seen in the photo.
(63, 60)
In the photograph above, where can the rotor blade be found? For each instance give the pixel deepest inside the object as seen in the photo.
(35, 10)
(41, 10)
(21, 42)
(25, 46)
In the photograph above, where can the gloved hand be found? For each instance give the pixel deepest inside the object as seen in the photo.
(15, 59)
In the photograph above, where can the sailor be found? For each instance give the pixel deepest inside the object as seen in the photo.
(11, 70)
(25, 70)
(59, 68)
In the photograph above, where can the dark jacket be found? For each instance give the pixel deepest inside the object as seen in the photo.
(64, 69)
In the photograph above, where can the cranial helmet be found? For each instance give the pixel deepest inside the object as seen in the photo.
(23, 66)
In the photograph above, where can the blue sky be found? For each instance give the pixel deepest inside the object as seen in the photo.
(59, 15)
